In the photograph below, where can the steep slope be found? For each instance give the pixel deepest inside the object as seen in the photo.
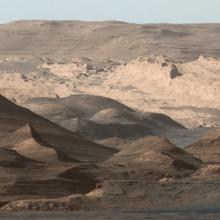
(27, 142)
(39, 159)
(12, 117)
(10, 158)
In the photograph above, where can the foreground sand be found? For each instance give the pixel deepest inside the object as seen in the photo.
(111, 215)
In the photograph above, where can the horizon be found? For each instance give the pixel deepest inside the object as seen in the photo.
(99, 21)
(130, 11)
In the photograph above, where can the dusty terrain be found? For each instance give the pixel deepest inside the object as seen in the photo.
(109, 115)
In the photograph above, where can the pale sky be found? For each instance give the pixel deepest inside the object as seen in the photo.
(135, 11)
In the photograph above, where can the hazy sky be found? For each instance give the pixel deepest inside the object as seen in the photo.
(137, 11)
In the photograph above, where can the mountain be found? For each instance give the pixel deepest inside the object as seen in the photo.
(110, 39)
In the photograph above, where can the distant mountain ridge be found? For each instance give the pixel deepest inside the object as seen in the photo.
(108, 39)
